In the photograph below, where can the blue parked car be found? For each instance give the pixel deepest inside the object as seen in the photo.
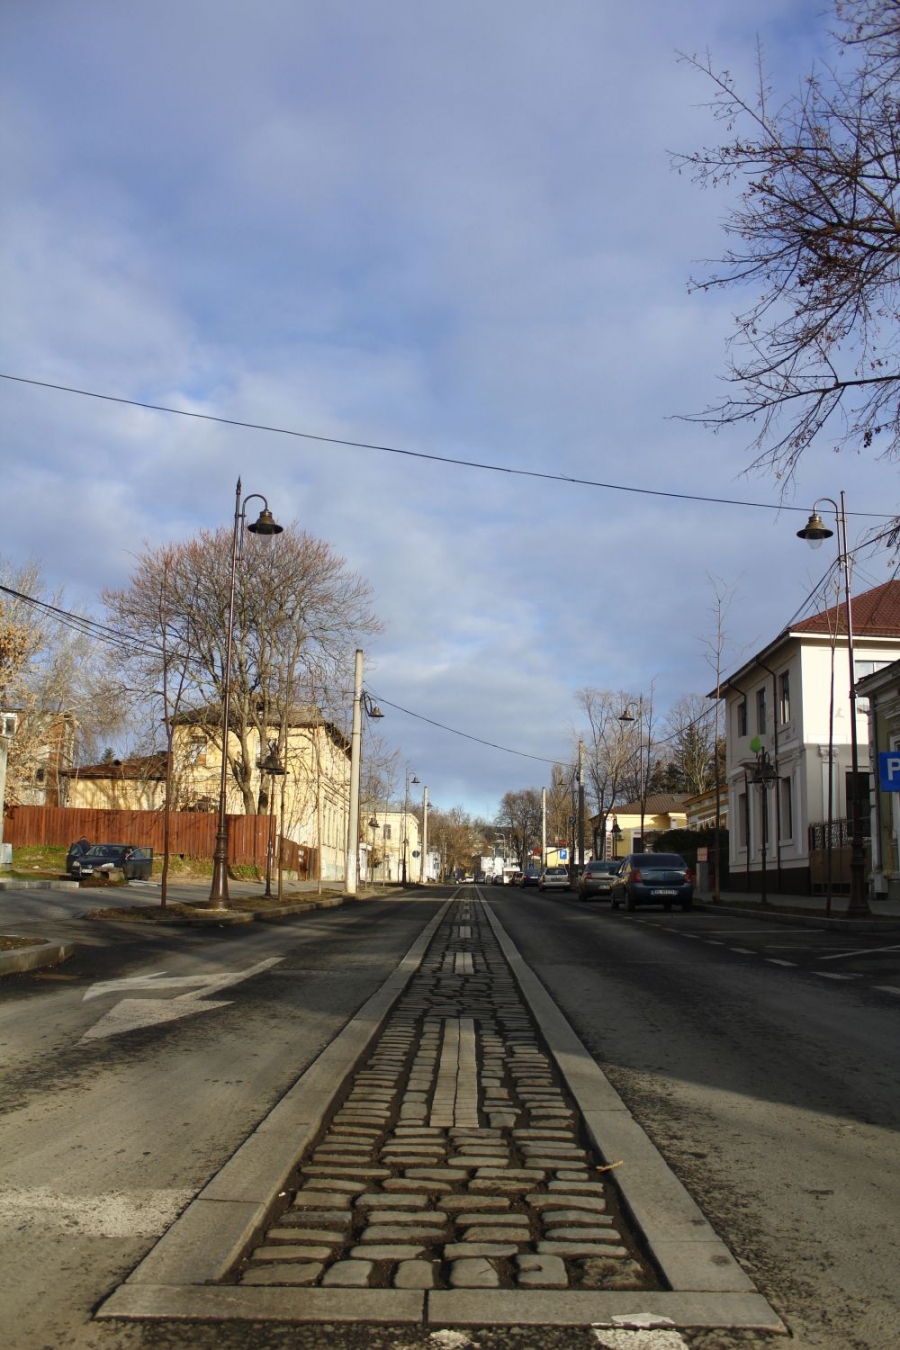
(653, 878)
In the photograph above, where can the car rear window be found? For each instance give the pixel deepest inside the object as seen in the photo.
(662, 860)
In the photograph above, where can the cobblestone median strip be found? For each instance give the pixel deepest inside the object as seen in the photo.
(461, 1179)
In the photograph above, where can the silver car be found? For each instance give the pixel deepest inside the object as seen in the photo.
(554, 879)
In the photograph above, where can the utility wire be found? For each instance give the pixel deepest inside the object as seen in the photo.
(421, 454)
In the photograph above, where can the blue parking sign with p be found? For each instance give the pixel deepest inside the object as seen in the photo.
(889, 770)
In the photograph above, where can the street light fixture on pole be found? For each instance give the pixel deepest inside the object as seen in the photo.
(628, 716)
(373, 826)
(415, 779)
(814, 532)
(361, 704)
(765, 776)
(275, 769)
(423, 854)
(265, 526)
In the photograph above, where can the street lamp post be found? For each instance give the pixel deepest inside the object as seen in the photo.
(628, 716)
(814, 532)
(265, 526)
(423, 845)
(373, 826)
(764, 775)
(413, 779)
(271, 766)
(361, 704)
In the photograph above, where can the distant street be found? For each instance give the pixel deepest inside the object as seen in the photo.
(763, 1060)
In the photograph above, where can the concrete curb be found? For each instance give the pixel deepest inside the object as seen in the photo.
(37, 885)
(47, 953)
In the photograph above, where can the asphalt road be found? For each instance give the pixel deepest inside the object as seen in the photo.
(764, 1062)
(770, 1087)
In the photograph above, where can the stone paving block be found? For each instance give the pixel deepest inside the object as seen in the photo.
(473, 1273)
(302, 1273)
(395, 1232)
(416, 1184)
(377, 1200)
(511, 1220)
(414, 1275)
(409, 1216)
(343, 1184)
(456, 1203)
(574, 1233)
(317, 1217)
(541, 1272)
(394, 1251)
(435, 1173)
(591, 1203)
(455, 1251)
(369, 1173)
(487, 1233)
(575, 1251)
(585, 1217)
(296, 1252)
(294, 1233)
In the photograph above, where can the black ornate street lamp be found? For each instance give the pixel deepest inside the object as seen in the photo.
(264, 526)
(814, 532)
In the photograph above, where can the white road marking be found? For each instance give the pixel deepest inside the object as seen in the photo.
(132, 1013)
(886, 989)
(830, 975)
(137, 1213)
(744, 951)
(862, 951)
(774, 961)
(155, 980)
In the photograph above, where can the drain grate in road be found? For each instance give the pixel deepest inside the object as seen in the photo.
(454, 1160)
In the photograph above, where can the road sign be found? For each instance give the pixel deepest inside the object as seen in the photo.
(889, 770)
(563, 855)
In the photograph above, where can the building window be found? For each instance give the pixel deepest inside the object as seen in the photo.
(386, 832)
(784, 696)
(861, 668)
(742, 717)
(761, 711)
(742, 820)
(786, 808)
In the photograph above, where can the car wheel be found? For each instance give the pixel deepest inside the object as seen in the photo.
(614, 902)
(629, 902)
(688, 904)
(667, 908)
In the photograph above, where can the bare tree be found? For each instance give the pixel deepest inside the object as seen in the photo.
(690, 743)
(817, 239)
(298, 616)
(520, 812)
(617, 756)
(50, 676)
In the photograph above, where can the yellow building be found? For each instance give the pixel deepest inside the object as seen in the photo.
(310, 800)
(661, 811)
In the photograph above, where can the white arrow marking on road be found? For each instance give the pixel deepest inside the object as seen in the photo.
(132, 1013)
(155, 980)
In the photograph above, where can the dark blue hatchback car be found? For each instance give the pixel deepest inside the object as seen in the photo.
(655, 879)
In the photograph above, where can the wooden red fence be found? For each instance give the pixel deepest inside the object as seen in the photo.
(192, 834)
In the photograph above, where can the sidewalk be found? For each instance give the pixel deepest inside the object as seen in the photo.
(809, 910)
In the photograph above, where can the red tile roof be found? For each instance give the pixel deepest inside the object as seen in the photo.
(876, 613)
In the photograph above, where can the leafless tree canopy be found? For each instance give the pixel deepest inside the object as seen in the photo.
(299, 614)
(816, 237)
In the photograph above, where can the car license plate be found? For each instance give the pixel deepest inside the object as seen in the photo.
(664, 892)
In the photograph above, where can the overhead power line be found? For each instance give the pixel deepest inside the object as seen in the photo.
(420, 454)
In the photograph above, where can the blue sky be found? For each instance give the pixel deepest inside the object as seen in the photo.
(451, 228)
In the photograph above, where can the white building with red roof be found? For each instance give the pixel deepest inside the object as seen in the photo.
(790, 706)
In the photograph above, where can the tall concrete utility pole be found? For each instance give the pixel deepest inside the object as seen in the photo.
(543, 828)
(424, 844)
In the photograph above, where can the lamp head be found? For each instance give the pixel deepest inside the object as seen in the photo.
(626, 716)
(265, 524)
(815, 530)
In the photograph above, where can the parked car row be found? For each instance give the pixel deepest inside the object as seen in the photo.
(638, 879)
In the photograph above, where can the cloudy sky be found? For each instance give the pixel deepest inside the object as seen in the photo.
(449, 228)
